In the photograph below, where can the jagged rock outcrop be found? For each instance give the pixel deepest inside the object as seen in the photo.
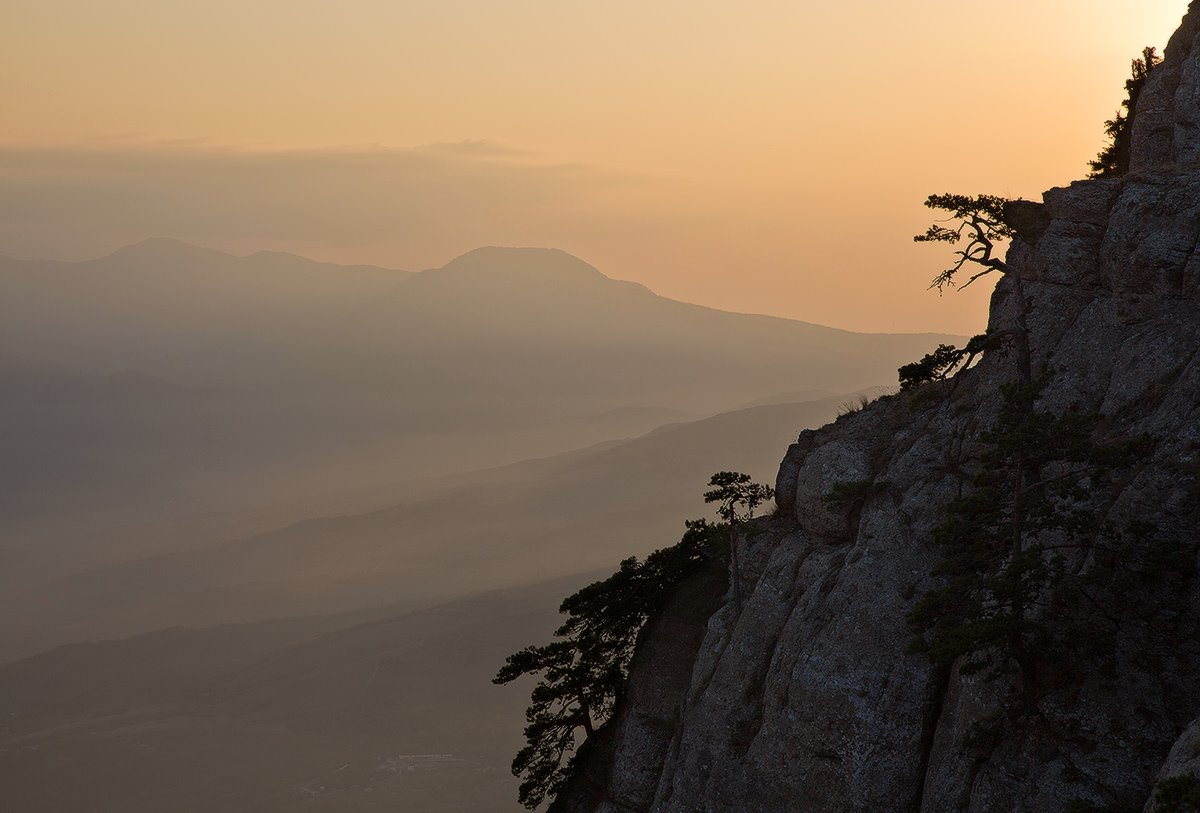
(802, 697)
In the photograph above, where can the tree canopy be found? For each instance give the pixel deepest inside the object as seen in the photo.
(943, 362)
(737, 496)
(979, 220)
(582, 673)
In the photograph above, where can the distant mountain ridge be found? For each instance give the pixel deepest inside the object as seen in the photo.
(523, 325)
(169, 249)
(313, 372)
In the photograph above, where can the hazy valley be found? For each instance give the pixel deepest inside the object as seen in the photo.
(299, 487)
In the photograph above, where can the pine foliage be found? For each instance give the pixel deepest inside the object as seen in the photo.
(583, 671)
(1115, 158)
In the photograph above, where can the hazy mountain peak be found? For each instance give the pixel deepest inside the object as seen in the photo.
(165, 249)
(527, 263)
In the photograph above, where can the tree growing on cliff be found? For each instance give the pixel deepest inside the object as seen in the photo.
(977, 227)
(943, 362)
(1114, 159)
(583, 672)
(737, 498)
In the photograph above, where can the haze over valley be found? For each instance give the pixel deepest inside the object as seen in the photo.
(259, 466)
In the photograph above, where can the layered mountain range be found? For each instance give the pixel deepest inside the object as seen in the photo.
(190, 376)
(268, 526)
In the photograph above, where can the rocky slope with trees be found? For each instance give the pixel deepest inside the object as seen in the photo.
(843, 670)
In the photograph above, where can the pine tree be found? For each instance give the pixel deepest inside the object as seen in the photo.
(980, 226)
(583, 672)
(1115, 158)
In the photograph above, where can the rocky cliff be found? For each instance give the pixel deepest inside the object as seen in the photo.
(803, 697)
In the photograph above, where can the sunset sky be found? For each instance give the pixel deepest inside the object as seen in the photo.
(759, 155)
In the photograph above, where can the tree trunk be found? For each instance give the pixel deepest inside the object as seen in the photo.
(735, 570)
(1029, 684)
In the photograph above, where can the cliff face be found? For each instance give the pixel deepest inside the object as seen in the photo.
(803, 698)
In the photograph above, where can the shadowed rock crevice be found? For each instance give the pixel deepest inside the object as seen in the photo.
(929, 737)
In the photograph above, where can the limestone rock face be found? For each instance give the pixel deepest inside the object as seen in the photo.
(1166, 128)
(802, 697)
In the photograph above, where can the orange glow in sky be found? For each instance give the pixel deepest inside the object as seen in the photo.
(764, 156)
